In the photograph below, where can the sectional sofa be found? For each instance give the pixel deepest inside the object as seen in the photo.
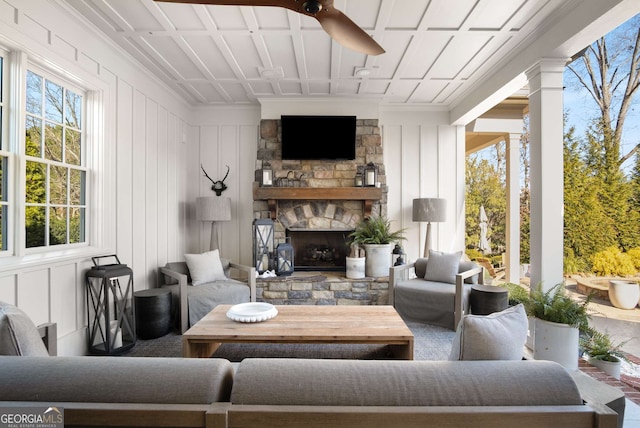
(123, 391)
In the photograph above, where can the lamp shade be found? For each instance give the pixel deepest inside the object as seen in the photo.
(213, 208)
(429, 209)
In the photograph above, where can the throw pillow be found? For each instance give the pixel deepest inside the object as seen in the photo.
(498, 336)
(205, 267)
(18, 334)
(442, 267)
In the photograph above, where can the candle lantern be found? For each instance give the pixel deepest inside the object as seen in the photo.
(266, 176)
(110, 311)
(284, 259)
(263, 243)
(359, 180)
(370, 175)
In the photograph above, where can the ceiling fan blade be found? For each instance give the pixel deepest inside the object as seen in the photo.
(278, 3)
(346, 32)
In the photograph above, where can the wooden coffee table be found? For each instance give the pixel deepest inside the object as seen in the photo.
(303, 324)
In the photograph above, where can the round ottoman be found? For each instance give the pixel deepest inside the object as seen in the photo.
(487, 299)
(153, 312)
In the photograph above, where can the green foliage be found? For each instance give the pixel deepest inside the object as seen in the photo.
(473, 253)
(599, 346)
(375, 230)
(517, 293)
(634, 255)
(556, 306)
(613, 262)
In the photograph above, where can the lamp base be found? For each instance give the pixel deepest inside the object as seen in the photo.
(427, 241)
(214, 244)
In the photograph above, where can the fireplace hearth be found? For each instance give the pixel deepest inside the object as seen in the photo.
(319, 249)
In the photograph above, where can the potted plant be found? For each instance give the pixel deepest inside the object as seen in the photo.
(602, 353)
(375, 234)
(559, 319)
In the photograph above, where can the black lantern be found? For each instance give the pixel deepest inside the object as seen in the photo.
(398, 256)
(266, 176)
(263, 243)
(284, 259)
(110, 310)
(370, 175)
(358, 179)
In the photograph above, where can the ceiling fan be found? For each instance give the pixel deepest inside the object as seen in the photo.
(342, 29)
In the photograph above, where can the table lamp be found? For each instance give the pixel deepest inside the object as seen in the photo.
(213, 209)
(430, 210)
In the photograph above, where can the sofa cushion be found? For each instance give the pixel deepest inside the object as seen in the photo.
(442, 267)
(116, 380)
(468, 265)
(205, 267)
(18, 334)
(498, 336)
(266, 381)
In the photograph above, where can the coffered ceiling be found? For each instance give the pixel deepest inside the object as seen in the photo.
(436, 50)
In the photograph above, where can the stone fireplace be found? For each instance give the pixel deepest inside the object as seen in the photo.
(315, 202)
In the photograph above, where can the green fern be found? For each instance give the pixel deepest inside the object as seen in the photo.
(375, 230)
(555, 306)
(600, 347)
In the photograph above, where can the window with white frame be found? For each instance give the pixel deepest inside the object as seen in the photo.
(55, 169)
(4, 162)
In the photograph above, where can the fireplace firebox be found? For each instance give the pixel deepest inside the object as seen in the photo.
(319, 249)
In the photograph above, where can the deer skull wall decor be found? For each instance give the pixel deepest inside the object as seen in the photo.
(217, 186)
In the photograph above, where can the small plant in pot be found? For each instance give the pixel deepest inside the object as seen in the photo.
(602, 352)
(559, 319)
(376, 235)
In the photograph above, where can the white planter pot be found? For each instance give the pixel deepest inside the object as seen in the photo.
(624, 294)
(355, 267)
(378, 259)
(609, 367)
(556, 342)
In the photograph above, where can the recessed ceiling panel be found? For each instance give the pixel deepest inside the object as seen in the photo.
(400, 90)
(426, 48)
(281, 53)
(182, 17)
(290, 88)
(316, 50)
(207, 91)
(488, 17)
(271, 18)
(447, 14)
(407, 14)
(390, 61)
(458, 53)
(319, 88)
(236, 91)
(245, 55)
(488, 52)
(169, 50)
(135, 13)
(210, 55)
(427, 93)
(374, 87)
(227, 17)
(347, 87)
(261, 88)
(362, 12)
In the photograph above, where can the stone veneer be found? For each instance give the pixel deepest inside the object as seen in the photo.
(325, 289)
(317, 174)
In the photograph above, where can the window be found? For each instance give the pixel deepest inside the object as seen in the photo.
(4, 162)
(55, 171)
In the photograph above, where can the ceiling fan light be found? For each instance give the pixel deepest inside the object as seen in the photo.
(312, 6)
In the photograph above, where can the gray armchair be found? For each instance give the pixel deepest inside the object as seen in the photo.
(432, 302)
(190, 303)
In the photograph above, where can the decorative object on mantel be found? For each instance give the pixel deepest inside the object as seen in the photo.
(355, 262)
(429, 210)
(370, 175)
(263, 244)
(214, 210)
(284, 258)
(217, 186)
(398, 255)
(359, 180)
(376, 236)
(266, 176)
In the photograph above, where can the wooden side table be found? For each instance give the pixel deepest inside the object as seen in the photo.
(487, 299)
(153, 312)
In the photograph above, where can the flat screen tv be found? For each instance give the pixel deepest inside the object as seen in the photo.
(318, 137)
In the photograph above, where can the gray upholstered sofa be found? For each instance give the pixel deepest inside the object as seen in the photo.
(191, 303)
(112, 391)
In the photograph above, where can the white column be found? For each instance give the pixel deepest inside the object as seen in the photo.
(546, 133)
(512, 261)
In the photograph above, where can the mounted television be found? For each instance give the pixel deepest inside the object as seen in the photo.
(318, 137)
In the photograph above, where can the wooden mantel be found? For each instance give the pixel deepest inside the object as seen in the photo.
(368, 195)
